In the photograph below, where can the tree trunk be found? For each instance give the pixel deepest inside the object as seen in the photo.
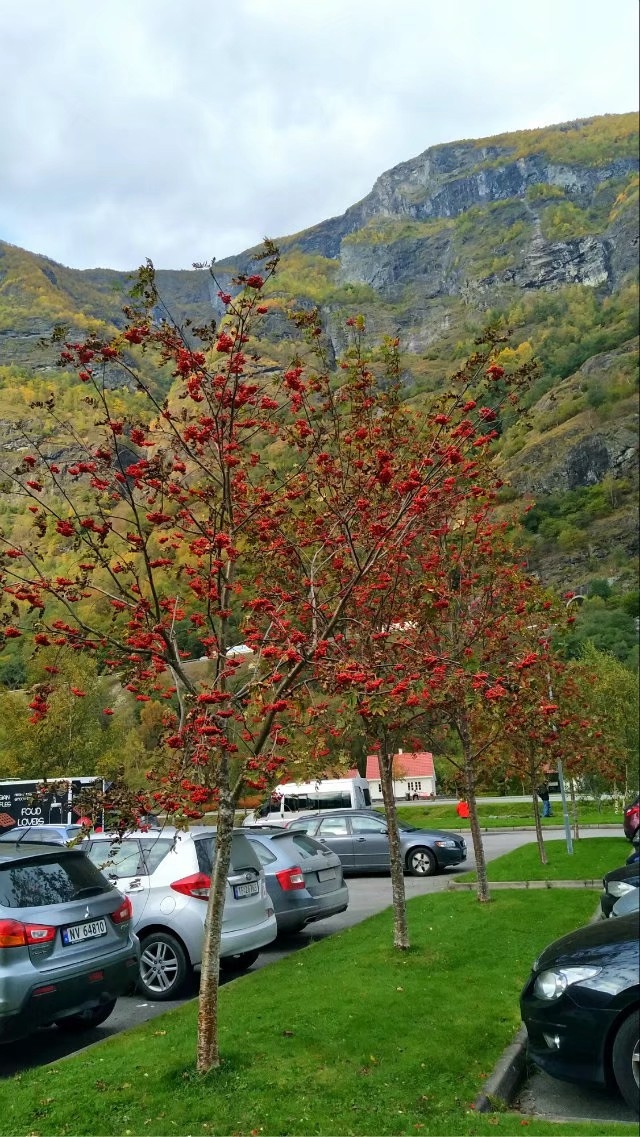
(208, 1051)
(476, 836)
(536, 813)
(400, 926)
(574, 810)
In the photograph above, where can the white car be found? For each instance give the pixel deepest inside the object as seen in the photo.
(166, 873)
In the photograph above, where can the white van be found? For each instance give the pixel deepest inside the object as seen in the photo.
(293, 799)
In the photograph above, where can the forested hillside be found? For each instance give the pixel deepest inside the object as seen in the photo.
(538, 229)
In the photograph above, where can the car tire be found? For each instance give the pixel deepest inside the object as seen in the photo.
(240, 962)
(421, 862)
(86, 1019)
(626, 1060)
(164, 967)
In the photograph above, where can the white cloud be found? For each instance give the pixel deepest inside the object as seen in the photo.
(181, 131)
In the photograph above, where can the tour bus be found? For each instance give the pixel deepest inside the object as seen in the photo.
(293, 799)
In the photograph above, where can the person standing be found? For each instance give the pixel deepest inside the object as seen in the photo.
(543, 793)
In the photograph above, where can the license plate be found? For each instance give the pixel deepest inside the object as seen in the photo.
(250, 889)
(79, 932)
(326, 874)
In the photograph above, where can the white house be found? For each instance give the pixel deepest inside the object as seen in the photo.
(414, 776)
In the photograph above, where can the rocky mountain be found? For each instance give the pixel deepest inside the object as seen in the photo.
(538, 227)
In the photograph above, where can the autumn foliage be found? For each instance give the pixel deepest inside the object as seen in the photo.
(306, 512)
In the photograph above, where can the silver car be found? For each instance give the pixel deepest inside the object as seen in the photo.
(67, 949)
(304, 878)
(166, 874)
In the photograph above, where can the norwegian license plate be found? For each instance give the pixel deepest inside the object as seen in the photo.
(250, 889)
(326, 874)
(77, 933)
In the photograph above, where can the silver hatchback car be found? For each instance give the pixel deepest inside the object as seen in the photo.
(166, 874)
(67, 949)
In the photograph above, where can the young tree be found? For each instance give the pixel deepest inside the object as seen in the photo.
(424, 643)
(610, 694)
(247, 500)
(76, 737)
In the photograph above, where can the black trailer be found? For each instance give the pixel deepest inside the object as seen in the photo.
(38, 803)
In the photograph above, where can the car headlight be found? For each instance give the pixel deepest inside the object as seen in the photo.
(552, 984)
(447, 843)
(619, 887)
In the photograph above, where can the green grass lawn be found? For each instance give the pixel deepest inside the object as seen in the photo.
(501, 815)
(592, 857)
(344, 1037)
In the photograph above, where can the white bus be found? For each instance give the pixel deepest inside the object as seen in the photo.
(293, 799)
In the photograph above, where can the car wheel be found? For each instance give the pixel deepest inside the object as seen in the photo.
(239, 962)
(421, 862)
(164, 967)
(86, 1019)
(626, 1059)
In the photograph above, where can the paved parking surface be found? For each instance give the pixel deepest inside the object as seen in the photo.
(547, 1098)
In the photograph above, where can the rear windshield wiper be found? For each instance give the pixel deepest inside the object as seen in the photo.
(90, 890)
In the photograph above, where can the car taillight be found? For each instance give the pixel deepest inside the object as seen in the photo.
(197, 885)
(15, 934)
(123, 913)
(290, 879)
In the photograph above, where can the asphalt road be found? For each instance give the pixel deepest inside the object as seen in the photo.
(541, 1096)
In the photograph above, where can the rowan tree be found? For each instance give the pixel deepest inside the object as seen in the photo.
(550, 713)
(249, 501)
(423, 644)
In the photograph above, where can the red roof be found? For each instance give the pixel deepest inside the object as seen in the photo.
(406, 765)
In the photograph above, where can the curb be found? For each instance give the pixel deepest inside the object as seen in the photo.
(559, 828)
(505, 1076)
(471, 885)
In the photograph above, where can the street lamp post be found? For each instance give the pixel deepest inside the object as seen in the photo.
(565, 808)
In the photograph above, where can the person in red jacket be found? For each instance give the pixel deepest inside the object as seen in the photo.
(462, 809)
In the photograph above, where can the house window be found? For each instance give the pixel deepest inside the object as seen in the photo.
(414, 785)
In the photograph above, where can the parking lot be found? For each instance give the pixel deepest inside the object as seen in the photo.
(540, 1096)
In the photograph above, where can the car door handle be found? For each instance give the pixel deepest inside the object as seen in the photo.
(361, 839)
(135, 886)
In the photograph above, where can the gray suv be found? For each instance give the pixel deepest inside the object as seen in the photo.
(166, 874)
(67, 949)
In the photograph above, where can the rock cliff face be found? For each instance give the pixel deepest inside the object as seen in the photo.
(449, 180)
(540, 226)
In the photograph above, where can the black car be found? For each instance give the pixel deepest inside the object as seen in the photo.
(616, 883)
(580, 1007)
(359, 837)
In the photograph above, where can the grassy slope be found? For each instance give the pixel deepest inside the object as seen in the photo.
(501, 815)
(347, 1037)
(590, 860)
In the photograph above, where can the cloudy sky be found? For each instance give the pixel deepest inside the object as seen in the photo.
(187, 129)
